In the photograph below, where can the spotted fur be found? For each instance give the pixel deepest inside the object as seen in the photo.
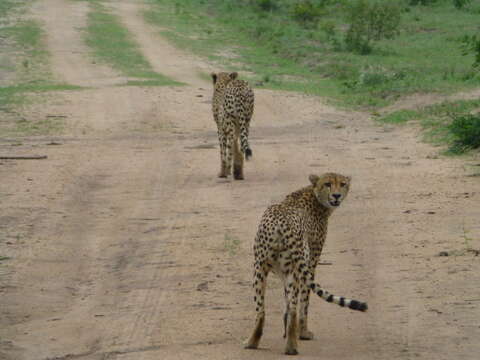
(289, 242)
(232, 106)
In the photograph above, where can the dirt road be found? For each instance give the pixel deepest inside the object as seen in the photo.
(124, 245)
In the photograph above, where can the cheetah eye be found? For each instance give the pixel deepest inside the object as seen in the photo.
(328, 184)
(343, 184)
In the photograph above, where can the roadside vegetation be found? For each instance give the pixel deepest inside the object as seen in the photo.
(364, 54)
(454, 123)
(112, 44)
(24, 66)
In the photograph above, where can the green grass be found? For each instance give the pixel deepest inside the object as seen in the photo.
(437, 121)
(28, 67)
(465, 130)
(30, 72)
(17, 95)
(12, 95)
(277, 52)
(33, 59)
(8, 7)
(45, 126)
(3, 258)
(114, 45)
(400, 116)
(231, 244)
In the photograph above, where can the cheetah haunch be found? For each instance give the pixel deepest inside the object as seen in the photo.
(232, 106)
(289, 242)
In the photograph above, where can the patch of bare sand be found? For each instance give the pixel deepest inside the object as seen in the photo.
(419, 101)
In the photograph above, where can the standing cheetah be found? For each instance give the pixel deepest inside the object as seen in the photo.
(232, 106)
(289, 242)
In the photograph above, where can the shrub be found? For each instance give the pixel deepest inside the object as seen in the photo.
(328, 28)
(471, 44)
(305, 11)
(422, 2)
(374, 77)
(266, 5)
(460, 3)
(465, 130)
(371, 21)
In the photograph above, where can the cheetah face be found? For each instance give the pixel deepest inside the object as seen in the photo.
(330, 188)
(221, 79)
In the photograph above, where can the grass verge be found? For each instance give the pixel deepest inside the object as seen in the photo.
(114, 45)
(27, 69)
(442, 122)
(278, 52)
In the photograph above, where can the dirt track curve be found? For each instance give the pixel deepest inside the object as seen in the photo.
(124, 245)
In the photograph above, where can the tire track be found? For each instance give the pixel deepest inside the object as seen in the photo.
(70, 58)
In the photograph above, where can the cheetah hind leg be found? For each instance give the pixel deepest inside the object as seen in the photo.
(230, 148)
(292, 290)
(237, 161)
(305, 334)
(223, 154)
(260, 282)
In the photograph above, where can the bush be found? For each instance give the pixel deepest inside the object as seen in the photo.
(371, 21)
(306, 12)
(265, 5)
(422, 2)
(328, 28)
(471, 44)
(460, 3)
(466, 133)
(374, 78)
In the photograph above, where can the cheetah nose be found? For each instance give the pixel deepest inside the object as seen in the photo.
(337, 196)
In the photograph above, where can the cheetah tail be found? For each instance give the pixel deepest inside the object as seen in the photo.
(248, 153)
(244, 143)
(339, 300)
(244, 139)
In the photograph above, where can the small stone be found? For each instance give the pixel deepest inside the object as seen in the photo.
(202, 286)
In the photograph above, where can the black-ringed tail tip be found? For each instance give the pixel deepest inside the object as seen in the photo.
(357, 305)
(248, 154)
(339, 300)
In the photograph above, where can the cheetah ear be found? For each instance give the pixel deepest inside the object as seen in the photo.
(233, 75)
(313, 179)
(214, 77)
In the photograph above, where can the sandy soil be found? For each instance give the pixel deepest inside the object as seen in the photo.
(124, 245)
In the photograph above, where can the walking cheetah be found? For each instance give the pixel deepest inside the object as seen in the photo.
(232, 106)
(289, 242)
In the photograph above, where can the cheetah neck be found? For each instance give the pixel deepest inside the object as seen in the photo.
(319, 209)
(306, 199)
